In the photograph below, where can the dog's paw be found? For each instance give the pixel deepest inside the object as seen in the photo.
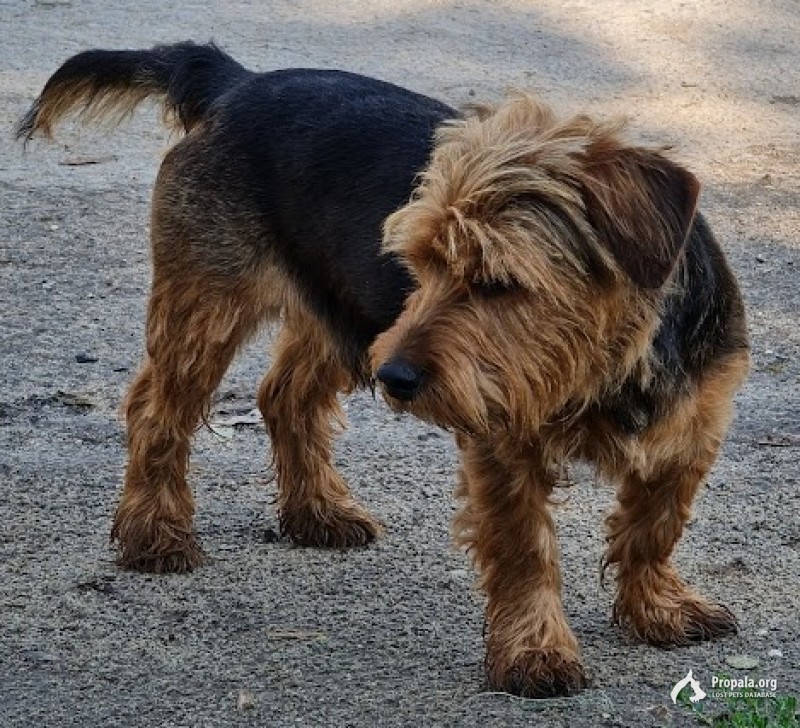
(175, 557)
(330, 524)
(676, 621)
(155, 546)
(536, 672)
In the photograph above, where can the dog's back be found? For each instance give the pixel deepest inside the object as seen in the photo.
(294, 168)
(320, 159)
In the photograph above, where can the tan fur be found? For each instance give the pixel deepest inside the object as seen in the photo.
(505, 525)
(659, 484)
(113, 105)
(208, 297)
(298, 401)
(543, 250)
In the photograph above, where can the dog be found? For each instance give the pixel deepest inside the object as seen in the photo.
(538, 286)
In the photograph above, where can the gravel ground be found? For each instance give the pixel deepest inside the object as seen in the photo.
(272, 635)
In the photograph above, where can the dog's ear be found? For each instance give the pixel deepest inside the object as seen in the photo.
(641, 206)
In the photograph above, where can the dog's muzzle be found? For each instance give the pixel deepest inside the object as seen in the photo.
(401, 379)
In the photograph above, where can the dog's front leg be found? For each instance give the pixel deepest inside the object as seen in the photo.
(505, 524)
(654, 503)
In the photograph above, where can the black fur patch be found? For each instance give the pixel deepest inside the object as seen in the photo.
(703, 320)
(320, 159)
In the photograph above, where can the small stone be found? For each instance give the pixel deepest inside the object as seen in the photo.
(73, 399)
(460, 574)
(742, 662)
(246, 700)
(762, 632)
(775, 653)
(224, 432)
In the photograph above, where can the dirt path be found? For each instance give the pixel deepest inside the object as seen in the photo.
(270, 635)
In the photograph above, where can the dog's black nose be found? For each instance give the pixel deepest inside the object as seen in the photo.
(401, 379)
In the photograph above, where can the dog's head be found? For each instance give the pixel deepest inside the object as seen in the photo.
(540, 248)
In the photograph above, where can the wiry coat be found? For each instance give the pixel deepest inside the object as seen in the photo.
(547, 292)
(569, 303)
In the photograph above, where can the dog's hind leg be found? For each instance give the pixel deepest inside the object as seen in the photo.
(207, 298)
(653, 602)
(298, 399)
(194, 328)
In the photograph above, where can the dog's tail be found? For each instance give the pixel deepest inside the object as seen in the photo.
(187, 78)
